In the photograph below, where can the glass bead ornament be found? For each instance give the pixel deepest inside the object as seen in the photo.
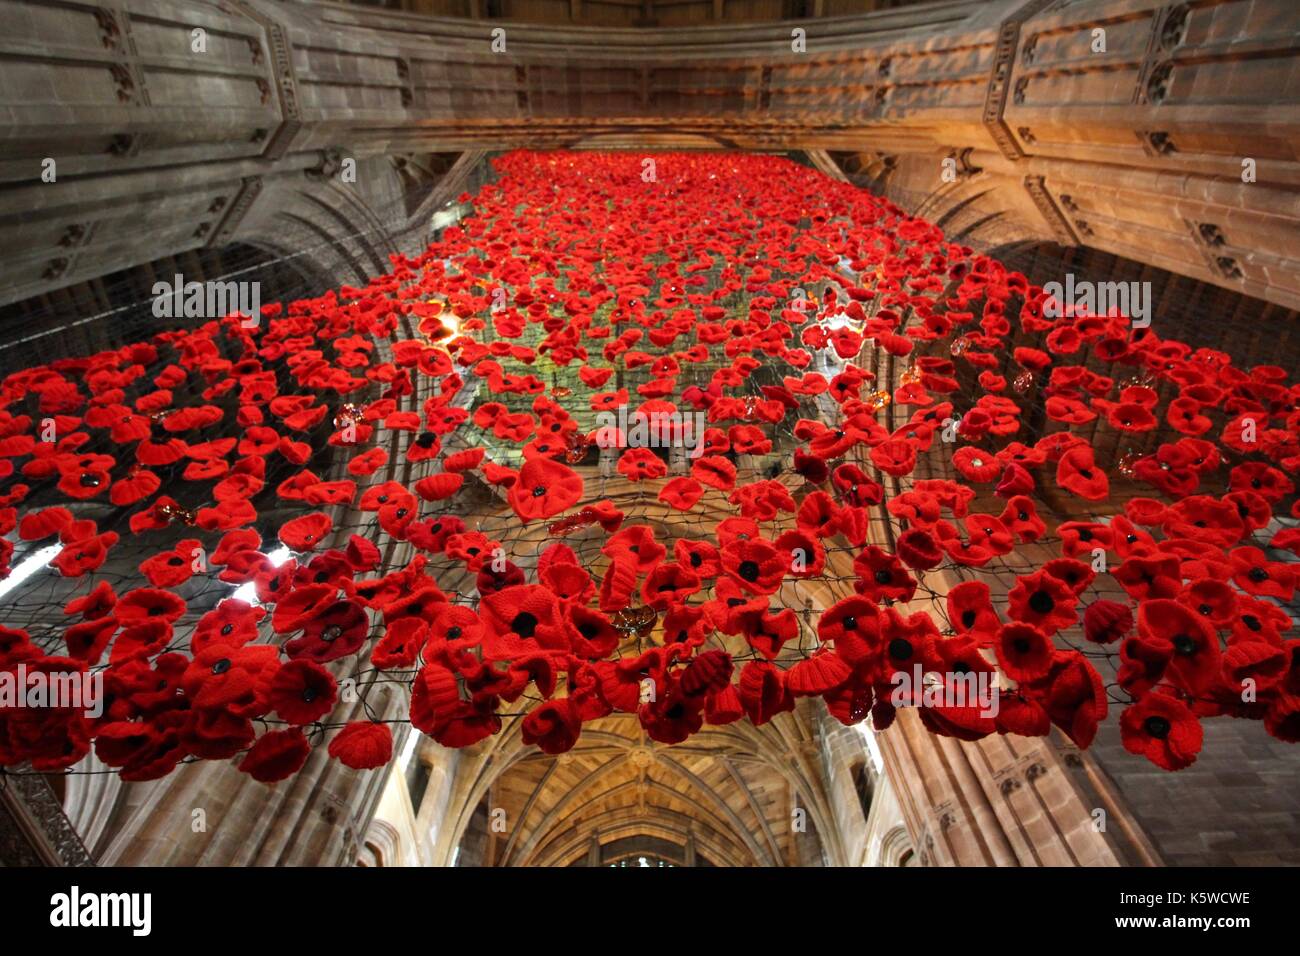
(878, 400)
(348, 414)
(1127, 464)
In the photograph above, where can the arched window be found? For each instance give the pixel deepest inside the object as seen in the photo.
(896, 849)
(865, 786)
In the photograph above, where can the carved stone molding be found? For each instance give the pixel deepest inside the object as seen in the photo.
(34, 830)
(995, 98)
(286, 80)
(1062, 231)
(249, 189)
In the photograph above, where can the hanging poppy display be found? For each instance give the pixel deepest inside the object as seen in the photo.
(665, 413)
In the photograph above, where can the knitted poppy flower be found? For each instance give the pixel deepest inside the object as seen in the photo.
(977, 465)
(882, 576)
(971, 613)
(802, 554)
(1105, 622)
(522, 620)
(401, 644)
(148, 604)
(1215, 601)
(301, 691)
(1283, 718)
(36, 525)
(700, 556)
(552, 726)
(812, 468)
(731, 606)
(1079, 474)
(1195, 658)
(669, 583)
(336, 631)
(474, 548)
(714, 471)
(1024, 652)
(232, 622)
(595, 637)
(440, 486)
(231, 679)
(94, 605)
(918, 549)
(768, 632)
(639, 464)
(1042, 600)
(1075, 697)
(363, 745)
(854, 626)
(1156, 576)
(1077, 575)
(1261, 663)
(301, 605)
(755, 565)
(749, 440)
(894, 457)
(170, 568)
(1021, 518)
(276, 755)
(544, 489)
(1163, 729)
(681, 493)
(305, 533)
(636, 547)
(762, 692)
(1255, 574)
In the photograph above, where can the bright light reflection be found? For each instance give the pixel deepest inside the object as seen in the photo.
(29, 567)
(247, 592)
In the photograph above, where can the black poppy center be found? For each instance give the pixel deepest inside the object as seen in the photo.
(426, 439)
(221, 666)
(883, 576)
(524, 624)
(1021, 645)
(900, 649)
(1040, 602)
(1157, 727)
(968, 618)
(1184, 644)
(749, 570)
